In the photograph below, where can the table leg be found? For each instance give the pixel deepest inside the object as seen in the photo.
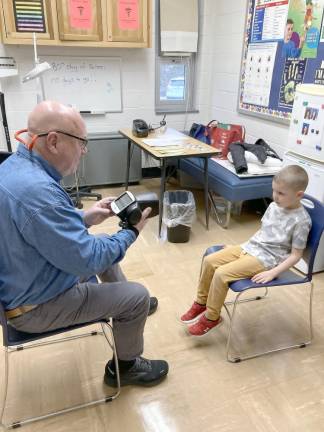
(218, 213)
(206, 192)
(162, 190)
(129, 144)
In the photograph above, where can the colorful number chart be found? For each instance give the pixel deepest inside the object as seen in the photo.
(29, 16)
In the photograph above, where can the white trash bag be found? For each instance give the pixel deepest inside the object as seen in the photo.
(179, 208)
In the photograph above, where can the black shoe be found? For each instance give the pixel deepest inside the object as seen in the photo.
(145, 373)
(153, 305)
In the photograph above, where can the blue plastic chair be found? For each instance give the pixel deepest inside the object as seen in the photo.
(316, 212)
(14, 340)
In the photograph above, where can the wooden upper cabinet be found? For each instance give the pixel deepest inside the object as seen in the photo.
(79, 20)
(23, 18)
(127, 20)
(97, 23)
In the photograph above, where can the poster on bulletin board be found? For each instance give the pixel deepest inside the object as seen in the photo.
(283, 47)
(306, 132)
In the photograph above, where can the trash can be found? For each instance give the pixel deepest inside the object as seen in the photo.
(179, 212)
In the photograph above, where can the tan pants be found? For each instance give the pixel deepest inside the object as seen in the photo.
(218, 270)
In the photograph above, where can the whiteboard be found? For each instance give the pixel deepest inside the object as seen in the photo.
(86, 83)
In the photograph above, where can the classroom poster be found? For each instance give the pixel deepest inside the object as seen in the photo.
(258, 73)
(313, 125)
(293, 75)
(270, 92)
(313, 25)
(322, 34)
(319, 74)
(29, 16)
(80, 14)
(269, 20)
(302, 33)
(128, 16)
(309, 126)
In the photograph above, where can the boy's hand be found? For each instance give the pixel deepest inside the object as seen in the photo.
(264, 277)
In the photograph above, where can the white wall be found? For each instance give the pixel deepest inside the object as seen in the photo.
(138, 80)
(227, 24)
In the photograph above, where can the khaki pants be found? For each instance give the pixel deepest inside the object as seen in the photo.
(218, 270)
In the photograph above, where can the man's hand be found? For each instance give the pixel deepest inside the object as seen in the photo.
(143, 220)
(99, 212)
(264, 277)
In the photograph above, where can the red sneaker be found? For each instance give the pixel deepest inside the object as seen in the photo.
(203, 326)
(193, 313)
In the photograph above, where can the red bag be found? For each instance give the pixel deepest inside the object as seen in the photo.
(221, 135)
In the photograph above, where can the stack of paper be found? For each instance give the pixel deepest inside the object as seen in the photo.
(163, 142)
(171, 138)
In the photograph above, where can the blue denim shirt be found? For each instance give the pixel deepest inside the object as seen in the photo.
(45, 246)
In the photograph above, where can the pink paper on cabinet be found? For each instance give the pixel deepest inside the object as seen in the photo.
(80, 13)
(128, 14)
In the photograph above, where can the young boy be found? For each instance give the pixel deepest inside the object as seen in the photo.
(289, 48)
(276, 247)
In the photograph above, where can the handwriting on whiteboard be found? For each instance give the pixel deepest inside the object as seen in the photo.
(88, 83)
(82, 74)
(70, 67)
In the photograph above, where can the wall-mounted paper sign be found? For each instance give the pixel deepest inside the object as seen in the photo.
(8, 67)
(306, 136)
(80, 12)
(128, 18)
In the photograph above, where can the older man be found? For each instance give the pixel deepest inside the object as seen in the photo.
(48, 259)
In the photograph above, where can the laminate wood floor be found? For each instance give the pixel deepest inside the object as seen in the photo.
(280, 392)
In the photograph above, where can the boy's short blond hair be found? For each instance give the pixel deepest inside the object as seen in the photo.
(293, 176)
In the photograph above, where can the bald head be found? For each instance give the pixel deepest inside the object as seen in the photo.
(50, 115)
(64, 128)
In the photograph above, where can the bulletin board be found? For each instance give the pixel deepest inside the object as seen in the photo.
(90, 84)
(283, 47)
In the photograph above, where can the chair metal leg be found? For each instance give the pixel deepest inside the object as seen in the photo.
(238, 358)
(5, 387)
(229, 340)
(249, 299)
(311, 313)
(75, 407)
(114, 348)
(54, 341)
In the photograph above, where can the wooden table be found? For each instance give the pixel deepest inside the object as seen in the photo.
(190, 148)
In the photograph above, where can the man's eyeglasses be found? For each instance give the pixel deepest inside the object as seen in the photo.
(83, 141)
